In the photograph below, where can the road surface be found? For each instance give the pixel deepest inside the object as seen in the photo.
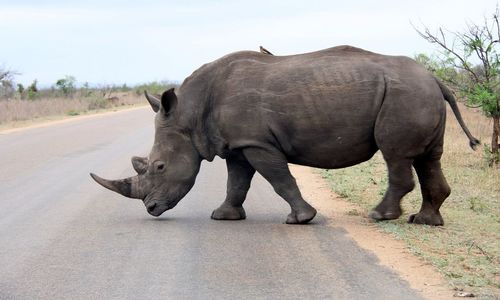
(62, 236)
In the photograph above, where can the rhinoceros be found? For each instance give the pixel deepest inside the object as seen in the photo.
(328, 109)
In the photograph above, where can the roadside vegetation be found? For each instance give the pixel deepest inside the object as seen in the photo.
(466, 250)
(20, 104)
(469, 61)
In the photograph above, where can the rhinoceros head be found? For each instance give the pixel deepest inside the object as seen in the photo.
(169, 172)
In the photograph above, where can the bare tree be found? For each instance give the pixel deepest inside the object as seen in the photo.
(459, 50)
(7, 88)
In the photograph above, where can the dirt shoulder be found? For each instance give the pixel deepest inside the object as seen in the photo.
(54, 120)
(392, 253)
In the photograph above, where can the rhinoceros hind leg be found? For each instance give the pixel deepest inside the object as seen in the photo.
(434, 189)
(427, 218)
(273, 166)
(400, 183)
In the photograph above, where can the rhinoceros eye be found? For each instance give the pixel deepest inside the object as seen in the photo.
(159, 166)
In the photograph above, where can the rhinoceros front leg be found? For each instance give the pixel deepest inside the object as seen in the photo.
(273, 166)
(239, 176)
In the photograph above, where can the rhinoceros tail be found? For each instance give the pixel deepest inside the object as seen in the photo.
(448, 96)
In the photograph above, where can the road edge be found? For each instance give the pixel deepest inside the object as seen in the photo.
(392, 253)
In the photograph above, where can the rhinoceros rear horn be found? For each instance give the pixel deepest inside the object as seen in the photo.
(140, 164)
(128, 187)
(153, 101)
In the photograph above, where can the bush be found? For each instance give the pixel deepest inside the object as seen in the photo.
(33, 90)
(155, 87)
(66, 85)
(98, 103)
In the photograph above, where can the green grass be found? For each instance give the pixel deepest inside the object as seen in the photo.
(73, 113)
(466, 250)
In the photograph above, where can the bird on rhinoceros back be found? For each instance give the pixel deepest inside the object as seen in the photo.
(264, 50)
(332, 108)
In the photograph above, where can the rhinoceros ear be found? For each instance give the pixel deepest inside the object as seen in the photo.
(168, 101)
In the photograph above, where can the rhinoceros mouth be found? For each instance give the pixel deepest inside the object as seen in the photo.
(156, 212)
(156, 206)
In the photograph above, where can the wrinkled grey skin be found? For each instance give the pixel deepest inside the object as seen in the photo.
(327, 109)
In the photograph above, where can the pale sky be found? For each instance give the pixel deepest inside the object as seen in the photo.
(106, 42)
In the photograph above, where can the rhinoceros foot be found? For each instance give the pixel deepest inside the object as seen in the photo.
(388, 214)
(427, 217)
(301, 216)
(226, 212)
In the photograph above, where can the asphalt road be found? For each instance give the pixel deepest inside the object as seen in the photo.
(62, 236)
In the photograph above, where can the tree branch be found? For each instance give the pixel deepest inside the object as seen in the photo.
(442, 42)
(495, 18)
(7, 74)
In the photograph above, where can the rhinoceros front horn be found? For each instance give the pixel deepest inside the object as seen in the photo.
(128, 187)
(153, 101)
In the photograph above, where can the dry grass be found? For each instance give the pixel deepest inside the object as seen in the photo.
(15, 111)
(467, 248)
